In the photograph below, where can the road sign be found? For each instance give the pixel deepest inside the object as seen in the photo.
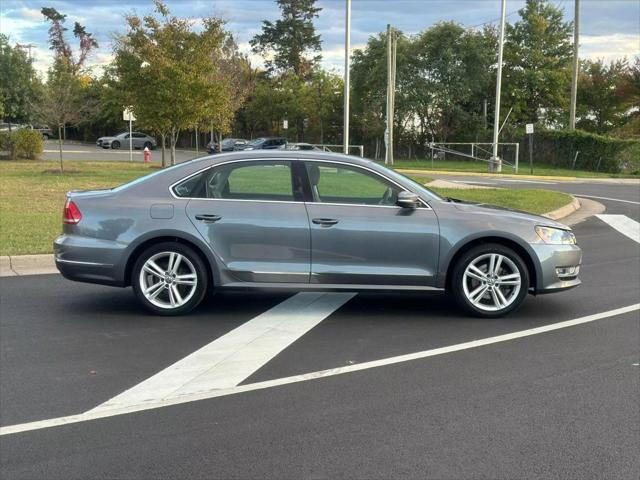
(285, 124)
(529, 128)
(127, 115)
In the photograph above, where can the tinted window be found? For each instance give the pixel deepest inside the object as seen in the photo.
(333, 183)
(139, 135)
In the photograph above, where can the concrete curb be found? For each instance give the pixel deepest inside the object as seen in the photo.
(479, 174)
(565, 211)
(19, 265)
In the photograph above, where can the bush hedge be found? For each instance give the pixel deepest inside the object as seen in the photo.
(597, 153)
(22, 143)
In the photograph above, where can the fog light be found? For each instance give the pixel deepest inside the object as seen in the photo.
(568, 272)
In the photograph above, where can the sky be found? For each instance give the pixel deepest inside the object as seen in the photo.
(610, 29)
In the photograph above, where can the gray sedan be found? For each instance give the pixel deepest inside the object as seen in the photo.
(122, 140)
(306, 221)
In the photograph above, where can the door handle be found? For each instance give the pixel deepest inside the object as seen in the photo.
(325, 222)
(207, 218)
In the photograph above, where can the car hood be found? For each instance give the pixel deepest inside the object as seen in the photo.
(494, 210)
(106, 138)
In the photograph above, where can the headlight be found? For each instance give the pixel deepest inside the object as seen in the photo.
(556, 236)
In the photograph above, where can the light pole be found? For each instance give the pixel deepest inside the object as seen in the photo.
(576, 66)
(496, 163)
(347, 47)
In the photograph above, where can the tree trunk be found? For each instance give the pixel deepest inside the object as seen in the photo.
(164, 148)
(173, 140)
(321, 130)
(60, 148)
(219, 135)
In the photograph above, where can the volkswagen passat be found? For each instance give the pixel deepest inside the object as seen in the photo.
(306, 220)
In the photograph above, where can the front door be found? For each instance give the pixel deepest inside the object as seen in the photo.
(360, 236)
(255, 220)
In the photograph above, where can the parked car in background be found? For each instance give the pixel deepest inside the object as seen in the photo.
(5, 127)
(307, 221)
(46, 132)
(265, 143)
(301, 146)
(140, 140)
(228, 145)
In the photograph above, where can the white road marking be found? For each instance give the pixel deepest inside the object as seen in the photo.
(230, 359)
(94, 415)
(606, 198)
(526, 181)
(474, 182)
(623, 224)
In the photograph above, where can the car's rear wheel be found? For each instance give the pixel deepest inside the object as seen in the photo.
(490, 280)
(115, 145)
(169, 279)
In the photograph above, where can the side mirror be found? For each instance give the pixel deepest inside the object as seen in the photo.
(407, 200)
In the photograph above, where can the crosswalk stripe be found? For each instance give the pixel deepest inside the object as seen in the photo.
(228, 360)
(623, 224)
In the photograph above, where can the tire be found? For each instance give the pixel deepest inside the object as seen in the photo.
(482, 293)
(45, 137)
(115, 145)
(147, 145)
(163, 300)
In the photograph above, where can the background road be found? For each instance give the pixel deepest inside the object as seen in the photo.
(88, 151)
(558, 404)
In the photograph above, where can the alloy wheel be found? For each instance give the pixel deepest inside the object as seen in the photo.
(168, 280)
(491, 282)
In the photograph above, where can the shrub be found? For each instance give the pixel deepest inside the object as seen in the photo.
(596, 152)
(26, 143)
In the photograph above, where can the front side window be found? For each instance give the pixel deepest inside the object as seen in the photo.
(335, 183)
(261, 180)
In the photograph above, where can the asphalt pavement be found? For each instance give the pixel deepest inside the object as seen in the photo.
(344, 400)
(90, 152)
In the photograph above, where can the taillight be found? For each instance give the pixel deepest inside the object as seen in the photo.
(71, 214)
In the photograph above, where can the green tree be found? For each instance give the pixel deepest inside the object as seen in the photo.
(602, 105)
(65, 100)
(18, 89)
(291, 39)
(537, 64)
(167, 72)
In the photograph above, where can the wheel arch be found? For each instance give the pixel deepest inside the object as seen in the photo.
(169, 236)
(523, 250)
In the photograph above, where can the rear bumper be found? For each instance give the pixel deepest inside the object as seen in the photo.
(554, 257)
(89, 260)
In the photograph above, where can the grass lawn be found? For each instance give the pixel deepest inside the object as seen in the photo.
(533, 201)
(482, 167)
(32, 195)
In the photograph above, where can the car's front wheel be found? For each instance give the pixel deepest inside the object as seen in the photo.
(169, 279)
(115, 145)
(490, 280)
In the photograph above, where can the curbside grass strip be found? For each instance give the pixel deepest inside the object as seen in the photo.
(463, 173)
(21, 265)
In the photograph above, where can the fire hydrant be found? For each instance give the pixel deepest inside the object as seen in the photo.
(147, 155)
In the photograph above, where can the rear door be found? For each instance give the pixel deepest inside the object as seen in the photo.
(360, 236)
(253, 216)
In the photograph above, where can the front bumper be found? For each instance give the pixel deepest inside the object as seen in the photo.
(552, 259)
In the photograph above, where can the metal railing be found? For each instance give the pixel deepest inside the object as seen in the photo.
(476, 148)
(328, 148)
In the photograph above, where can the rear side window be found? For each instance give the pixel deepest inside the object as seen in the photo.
(268, 180)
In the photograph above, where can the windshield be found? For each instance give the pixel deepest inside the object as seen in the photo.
(257, 141)
(228, 141)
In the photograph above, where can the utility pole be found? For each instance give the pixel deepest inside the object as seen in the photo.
(576, 67)
(484, 114)
(495, 164)
(391, 84)
(347, 47)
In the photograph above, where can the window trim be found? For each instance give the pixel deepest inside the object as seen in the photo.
(209, 167)
(306, 186)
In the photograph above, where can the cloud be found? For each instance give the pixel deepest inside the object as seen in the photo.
(609, 47)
